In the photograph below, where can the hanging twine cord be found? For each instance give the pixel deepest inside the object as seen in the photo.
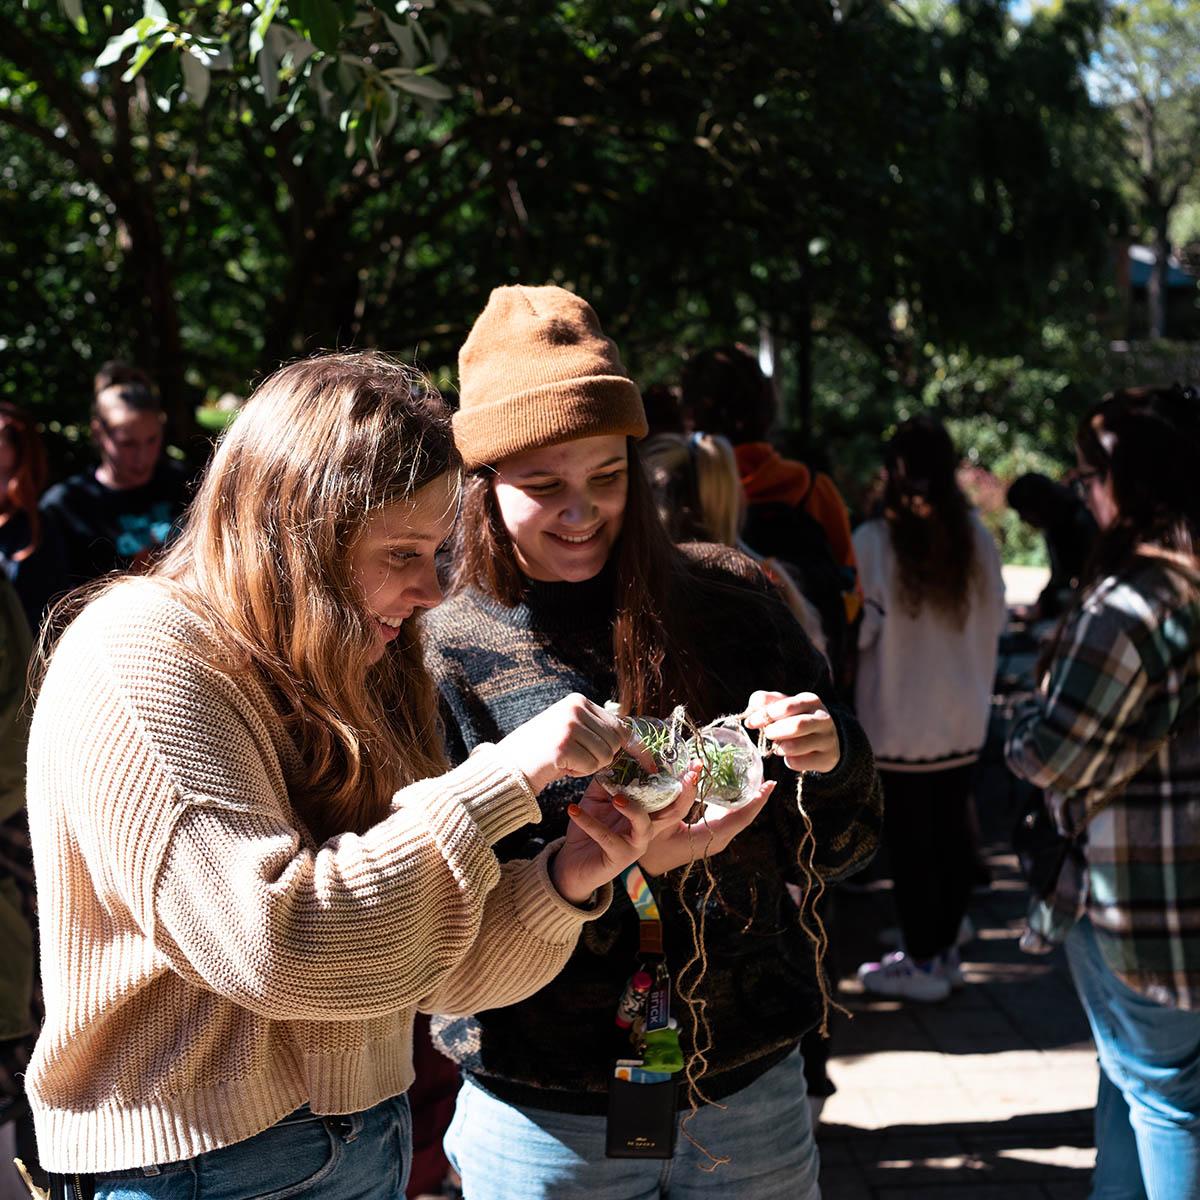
(692, 975)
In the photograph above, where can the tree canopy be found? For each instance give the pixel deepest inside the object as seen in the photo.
(210, 188)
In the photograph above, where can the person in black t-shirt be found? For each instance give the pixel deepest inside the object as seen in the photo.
(1069, 530)
(115, 517)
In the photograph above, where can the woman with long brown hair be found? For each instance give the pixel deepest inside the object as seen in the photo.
(253, 865)
(934, 611)
(566, 581)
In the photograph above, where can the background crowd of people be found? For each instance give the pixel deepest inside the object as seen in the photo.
(207, 704)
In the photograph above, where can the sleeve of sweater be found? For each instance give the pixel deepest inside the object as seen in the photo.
(993, 577)
(186, 819)
(845, 805)
(872, 578)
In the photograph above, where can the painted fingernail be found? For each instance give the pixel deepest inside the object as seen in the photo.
(573, 810)
(620, 802)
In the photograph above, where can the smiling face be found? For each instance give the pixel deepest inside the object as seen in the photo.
(393, 558)
(563, 506)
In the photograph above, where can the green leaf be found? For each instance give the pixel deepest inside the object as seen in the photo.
(404, 37)
(321, 19)
(268, 64)
(423, 85)
(116, 47)
(73, 11)
(140, 59)
(196, 79)
(258, 30)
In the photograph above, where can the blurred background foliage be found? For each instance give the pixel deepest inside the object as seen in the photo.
(915, 205)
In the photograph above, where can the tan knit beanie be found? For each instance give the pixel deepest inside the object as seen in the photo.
(536, 369)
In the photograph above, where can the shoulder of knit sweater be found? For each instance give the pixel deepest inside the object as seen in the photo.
(724, 564)
(447, 614)
(138, 610)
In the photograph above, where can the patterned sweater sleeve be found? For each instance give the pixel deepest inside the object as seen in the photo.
(845, 805)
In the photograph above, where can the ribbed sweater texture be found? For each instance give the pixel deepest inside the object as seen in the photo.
(207, 967)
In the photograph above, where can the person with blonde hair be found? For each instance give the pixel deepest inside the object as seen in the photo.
(253, 863)
(700, 498)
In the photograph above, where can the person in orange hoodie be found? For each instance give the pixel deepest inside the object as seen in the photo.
(725, 392)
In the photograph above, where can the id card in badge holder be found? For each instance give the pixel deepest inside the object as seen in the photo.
(641, 1119)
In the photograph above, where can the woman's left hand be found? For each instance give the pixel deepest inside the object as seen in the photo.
(799, 728)
(605, 835)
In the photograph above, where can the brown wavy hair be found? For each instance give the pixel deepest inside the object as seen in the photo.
(929, 520)
(656, 666)
(28, 480)
(265, 559)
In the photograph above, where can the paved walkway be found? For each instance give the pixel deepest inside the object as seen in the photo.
(986, 1096)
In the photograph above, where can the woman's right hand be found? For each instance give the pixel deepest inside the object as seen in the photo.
(571, 738)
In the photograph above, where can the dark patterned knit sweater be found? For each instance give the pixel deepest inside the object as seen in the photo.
(496, 667)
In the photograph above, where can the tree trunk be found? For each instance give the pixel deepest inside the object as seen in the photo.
(1156, 290)
(804, 355)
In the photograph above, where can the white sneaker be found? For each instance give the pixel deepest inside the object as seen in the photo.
(898, 976)
(949, 966)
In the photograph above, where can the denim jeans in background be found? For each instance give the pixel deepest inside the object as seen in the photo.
(362, 1156)
(1148, 1106)
(507, 1153)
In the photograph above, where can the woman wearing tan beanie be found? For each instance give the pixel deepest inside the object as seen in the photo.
(566, 581)
(252, 864)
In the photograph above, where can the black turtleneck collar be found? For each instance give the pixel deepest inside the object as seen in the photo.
(567, 606)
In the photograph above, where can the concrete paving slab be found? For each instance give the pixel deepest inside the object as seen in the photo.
(986, 1095)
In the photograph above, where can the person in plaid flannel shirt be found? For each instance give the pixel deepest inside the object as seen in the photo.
(1113, 737)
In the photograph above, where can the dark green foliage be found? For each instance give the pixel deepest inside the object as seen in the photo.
(365, 173)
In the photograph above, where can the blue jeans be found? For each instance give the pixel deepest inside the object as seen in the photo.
(362, 1156)
(1148, 1106)
(508, 1153)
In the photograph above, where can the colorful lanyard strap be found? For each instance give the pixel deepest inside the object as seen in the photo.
(645, 1008)
(650, 939)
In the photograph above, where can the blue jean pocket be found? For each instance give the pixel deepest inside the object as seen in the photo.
(291, 1159)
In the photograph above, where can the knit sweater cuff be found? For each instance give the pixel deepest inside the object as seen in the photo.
(496, 796)
(541, 908)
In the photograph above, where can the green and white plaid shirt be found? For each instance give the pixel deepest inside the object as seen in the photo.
(1114, 731)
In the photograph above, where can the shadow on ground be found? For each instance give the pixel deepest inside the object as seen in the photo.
(987, 1095)
(1045, 1155)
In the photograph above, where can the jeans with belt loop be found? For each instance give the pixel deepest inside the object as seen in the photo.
(507, 1153)
(1148, 1108)
(359, 1156)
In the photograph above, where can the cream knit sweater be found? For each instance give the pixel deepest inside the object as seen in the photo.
(207, 968)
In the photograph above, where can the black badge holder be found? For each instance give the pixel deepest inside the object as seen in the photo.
(642, 1104)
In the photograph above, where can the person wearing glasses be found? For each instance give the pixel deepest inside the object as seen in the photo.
(1113, 738)
(117, 515)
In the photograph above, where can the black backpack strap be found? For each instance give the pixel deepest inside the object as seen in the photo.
(802, 504)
